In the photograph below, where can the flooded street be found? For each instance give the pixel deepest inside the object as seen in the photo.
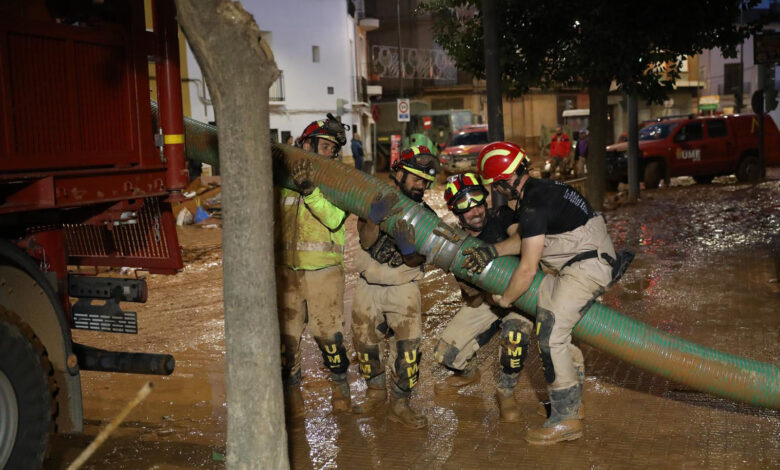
(707, 269)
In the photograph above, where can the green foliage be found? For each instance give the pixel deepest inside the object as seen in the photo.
(566, 43)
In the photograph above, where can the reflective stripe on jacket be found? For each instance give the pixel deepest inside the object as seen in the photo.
(310, 231)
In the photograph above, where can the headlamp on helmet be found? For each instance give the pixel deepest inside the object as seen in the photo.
(330, 129)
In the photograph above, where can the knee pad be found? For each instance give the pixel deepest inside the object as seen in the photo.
(445, 354)
(544, 326)
(515, 339)
(370, 362)
(407, 364)
(334, 353)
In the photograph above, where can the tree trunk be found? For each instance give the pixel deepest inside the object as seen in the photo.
(597, 165)
(239, 68)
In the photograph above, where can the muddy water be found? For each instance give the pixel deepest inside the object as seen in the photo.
(706, 269)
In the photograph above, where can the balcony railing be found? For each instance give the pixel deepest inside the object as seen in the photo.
(276, 92)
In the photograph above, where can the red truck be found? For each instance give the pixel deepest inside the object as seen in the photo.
(87, 179)
(701, 147)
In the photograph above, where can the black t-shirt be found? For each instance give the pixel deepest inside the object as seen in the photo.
(550, 207)
(497, 221)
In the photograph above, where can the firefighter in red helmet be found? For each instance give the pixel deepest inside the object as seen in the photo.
(558, 228)
(309, 239)
(387, 301)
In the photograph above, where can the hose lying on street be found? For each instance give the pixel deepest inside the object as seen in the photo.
(699, 367)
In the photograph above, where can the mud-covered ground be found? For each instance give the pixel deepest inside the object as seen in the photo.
(707, 268)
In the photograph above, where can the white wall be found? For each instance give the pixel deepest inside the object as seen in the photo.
(291, 28)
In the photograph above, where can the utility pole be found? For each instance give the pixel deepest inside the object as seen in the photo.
(493, 80)
(633, 148)
(401, 72)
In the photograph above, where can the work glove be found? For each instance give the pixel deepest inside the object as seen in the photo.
(478, 257)
(404, 237)
(382, 207)
(301, 174)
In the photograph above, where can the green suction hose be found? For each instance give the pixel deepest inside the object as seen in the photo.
(634, 342)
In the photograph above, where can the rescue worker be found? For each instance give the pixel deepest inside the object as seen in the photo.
(387, 300)
(310, 270)
(560, 147)
(559, 229)
(480, 318)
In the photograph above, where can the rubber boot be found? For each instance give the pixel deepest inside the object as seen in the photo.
(401, 412)
(545, 408)
(469, 375)
(340, 398)
(376, 396)
(507, 406)
(293, 401)
(563, 424)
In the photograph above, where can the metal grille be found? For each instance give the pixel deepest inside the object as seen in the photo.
(139, 238)
(428, 64)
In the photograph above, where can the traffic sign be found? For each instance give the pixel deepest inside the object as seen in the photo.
(403, 109)
(427, 122)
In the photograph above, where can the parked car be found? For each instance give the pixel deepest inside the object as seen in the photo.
(463, 149)
(701, 147)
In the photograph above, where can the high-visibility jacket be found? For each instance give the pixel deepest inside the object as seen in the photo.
(309, 231)
(560, 145)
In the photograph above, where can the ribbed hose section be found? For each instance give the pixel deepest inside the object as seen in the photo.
(634, 342)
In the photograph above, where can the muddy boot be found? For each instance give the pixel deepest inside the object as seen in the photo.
(544, 408)
(563, 424)
(459, 379)
(376, 396)
(401, 412)
(507, 405)
(293, 402)
(340, 398)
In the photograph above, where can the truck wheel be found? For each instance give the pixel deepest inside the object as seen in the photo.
(703, 179)
(749, 168)
(652, 175)
(26, 405)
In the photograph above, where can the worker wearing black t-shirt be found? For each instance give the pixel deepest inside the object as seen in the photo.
(479, 319)
(559, 229)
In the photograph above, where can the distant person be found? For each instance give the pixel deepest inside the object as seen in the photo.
(357, 151)
(581, 154)
(290, 140)
(560, 146)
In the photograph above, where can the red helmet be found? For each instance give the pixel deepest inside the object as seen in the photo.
(419, 161)
(500, 160)
(463, 192)
(329, 129)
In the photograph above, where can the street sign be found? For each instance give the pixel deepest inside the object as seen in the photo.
(403, 109)
(427, 122)
(395, 148)
(376, 112)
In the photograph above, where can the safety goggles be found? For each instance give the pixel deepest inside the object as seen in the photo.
(469, 201)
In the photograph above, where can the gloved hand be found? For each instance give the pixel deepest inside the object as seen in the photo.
(301, 174)
(404, 237)
(478, 257)
(382, 207)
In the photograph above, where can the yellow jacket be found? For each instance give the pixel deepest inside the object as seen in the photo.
(309, 231)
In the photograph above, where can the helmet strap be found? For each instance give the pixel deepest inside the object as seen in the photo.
(402, 184)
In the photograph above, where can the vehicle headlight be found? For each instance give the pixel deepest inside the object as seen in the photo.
(445, 158)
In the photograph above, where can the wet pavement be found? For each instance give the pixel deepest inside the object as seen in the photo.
(707, 268)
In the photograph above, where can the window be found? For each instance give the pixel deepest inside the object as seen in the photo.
(315, 54)
(286, 135)
(274, 136)
(689, 132)
(717, 128)
(732, 78)
(469, 138)
(330, 90)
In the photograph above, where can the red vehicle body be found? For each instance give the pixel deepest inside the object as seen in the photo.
(462, 151)
(83, 182)
(701, 147)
